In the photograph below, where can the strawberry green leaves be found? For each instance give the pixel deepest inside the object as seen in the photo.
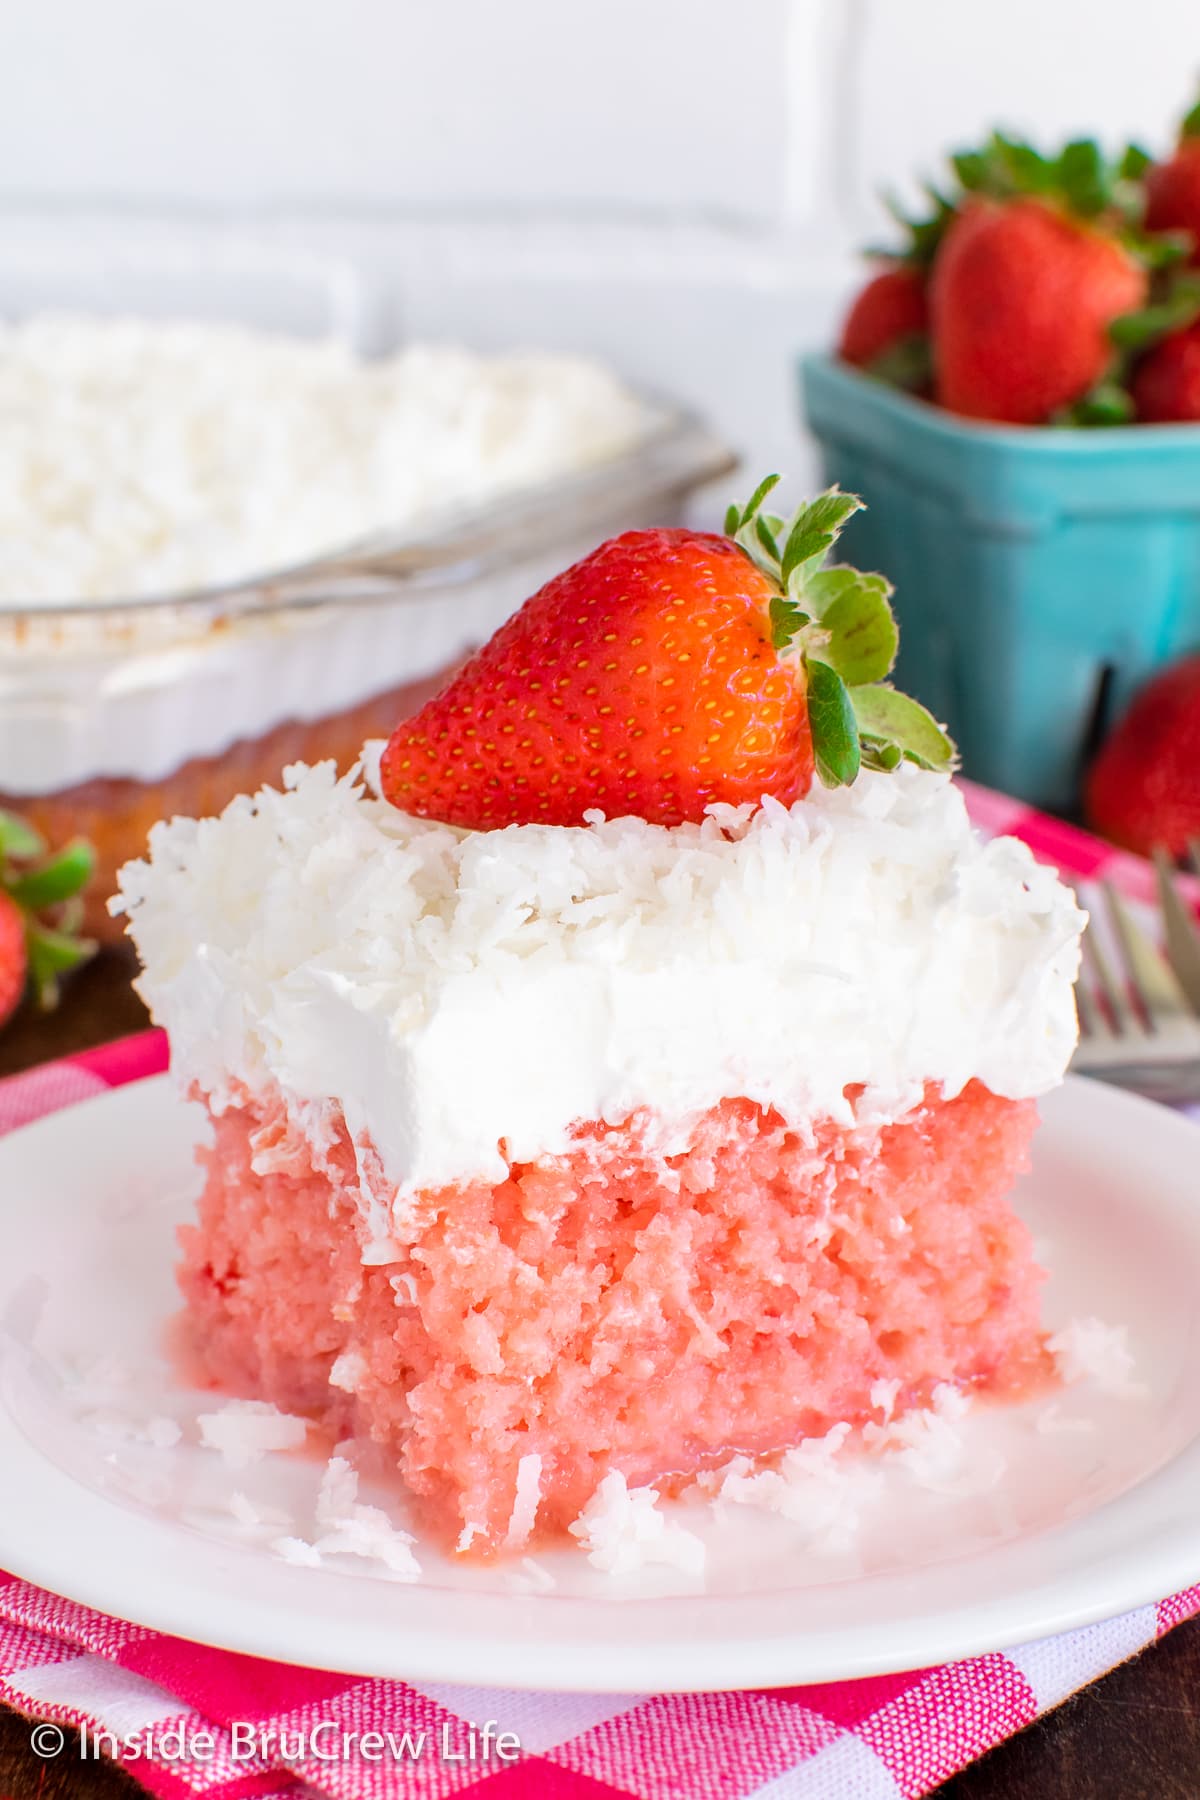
(1108, 403)
(18, 839)
(53, 954)
(55, 881)
(863, 636)
(1080, 177)
(47, 891)
(787, 621)
(1178, 307)
(833, 725)
(815, 528)
(840, 623)
(890, 720)
(924, 236)
(736, 517)
(907, 363)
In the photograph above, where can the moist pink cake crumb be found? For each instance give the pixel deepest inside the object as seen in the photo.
(612, 1308)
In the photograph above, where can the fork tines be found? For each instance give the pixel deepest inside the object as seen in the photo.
(1139, 1009)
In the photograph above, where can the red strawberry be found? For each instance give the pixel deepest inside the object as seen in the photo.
(668, 670)
(1166, 384)
(889, 310)
(1144, 787)
(14, 959)
(39, 914)
(1173, 193)
(1021, 300)
(643, 680)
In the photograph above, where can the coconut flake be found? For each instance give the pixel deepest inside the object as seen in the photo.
(254, 1515)
(926, 1444)
(1089, 1350)
(928, 1448)
(883, 1397)
(297, 1550)
(525, 1501)
(623, 1531)
(159, 1431)
(245, 1430)
(338, 1492)
(949, 1402)
(530, 1577)
(812, 1486)
(352, 1529)
(347, 1371)
(240, 1519)
(1051, 1421)
(369, 1534)
(404, 1284)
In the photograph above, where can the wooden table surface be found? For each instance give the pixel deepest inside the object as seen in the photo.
(1133, 1736)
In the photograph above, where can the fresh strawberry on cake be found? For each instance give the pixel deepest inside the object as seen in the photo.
(631, 1067)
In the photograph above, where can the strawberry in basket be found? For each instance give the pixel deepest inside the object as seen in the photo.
(1028, 292)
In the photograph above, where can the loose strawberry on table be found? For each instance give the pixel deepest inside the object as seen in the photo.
(1144, 787)
(39, 914)
(666, 671)
(13, 968)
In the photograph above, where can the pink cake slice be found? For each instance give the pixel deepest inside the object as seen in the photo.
(528, 1168)
(598, 1311)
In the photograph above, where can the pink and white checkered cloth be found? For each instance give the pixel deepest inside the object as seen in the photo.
(247, 1726)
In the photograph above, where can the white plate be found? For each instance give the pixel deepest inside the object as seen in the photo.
(1073, 1525)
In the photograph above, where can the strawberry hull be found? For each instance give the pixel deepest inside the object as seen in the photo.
(1041, 576)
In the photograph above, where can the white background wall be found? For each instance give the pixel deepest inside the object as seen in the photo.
(678, 185)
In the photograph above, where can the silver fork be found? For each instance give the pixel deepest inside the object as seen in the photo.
(1139, 1010)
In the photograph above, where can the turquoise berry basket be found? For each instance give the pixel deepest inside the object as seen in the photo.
(1040, 575)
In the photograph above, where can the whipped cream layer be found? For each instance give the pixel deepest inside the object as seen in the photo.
(465, 997)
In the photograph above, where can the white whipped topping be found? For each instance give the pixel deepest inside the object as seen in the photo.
(467, 998)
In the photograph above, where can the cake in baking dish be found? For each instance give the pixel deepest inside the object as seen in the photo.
(607, 1080)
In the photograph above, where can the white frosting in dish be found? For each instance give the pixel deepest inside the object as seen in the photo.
(466, 996)
(141, 457)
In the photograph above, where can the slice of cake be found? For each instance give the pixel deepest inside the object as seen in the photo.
(548, 1144)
